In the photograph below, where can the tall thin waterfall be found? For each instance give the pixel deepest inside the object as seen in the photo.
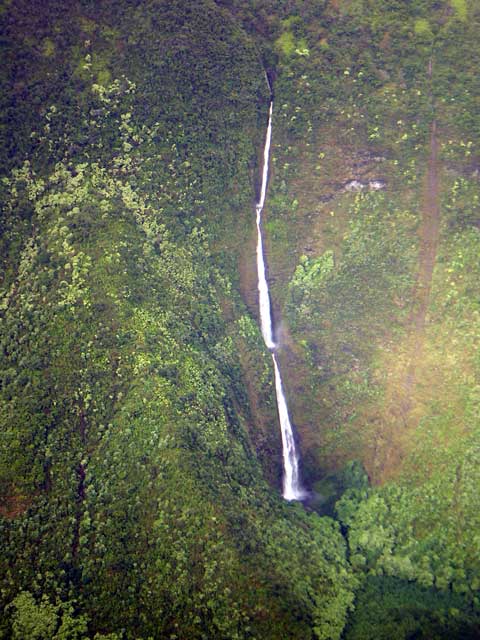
(292, 486)
(263, 294)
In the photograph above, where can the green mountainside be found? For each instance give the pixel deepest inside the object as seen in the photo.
(140, 455)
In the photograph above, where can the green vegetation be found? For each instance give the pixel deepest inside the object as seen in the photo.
(133, 503)
(382, 318)
(140, 457)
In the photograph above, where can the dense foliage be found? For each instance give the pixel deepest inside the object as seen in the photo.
(133, 503)
(140, 456)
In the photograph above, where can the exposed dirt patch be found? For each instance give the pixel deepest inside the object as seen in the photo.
(13, 506)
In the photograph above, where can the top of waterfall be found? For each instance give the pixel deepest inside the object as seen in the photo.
(269, 84)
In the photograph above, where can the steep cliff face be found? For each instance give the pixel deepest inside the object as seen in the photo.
(373, 231)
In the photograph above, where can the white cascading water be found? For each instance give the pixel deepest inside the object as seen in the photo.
(292, 486)
(263, 294)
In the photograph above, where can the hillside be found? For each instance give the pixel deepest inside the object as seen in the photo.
(140, 454)
(374, 240)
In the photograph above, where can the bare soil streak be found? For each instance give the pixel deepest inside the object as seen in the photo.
(14, 506)
(429, 235)
(389, 450)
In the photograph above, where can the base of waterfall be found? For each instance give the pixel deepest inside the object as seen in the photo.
(295, 496)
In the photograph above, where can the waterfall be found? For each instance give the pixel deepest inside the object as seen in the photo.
(292, 486)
